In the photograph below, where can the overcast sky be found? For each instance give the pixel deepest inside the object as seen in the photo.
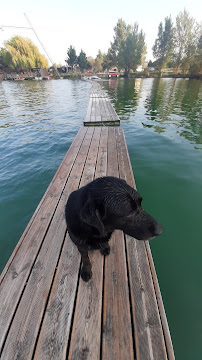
(87, 24)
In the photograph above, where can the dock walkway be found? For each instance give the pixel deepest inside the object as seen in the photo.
(100, 111)
(47, 310)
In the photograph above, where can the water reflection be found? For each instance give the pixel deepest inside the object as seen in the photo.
(169, 106)
(124, 94)
(177, 103)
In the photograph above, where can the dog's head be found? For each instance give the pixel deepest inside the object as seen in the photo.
(113, 204)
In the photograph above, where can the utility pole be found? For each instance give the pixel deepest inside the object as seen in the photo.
(31, 27)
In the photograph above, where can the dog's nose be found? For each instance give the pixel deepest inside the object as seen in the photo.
(158, 229)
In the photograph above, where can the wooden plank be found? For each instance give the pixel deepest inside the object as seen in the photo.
(111, 115)
(25, 253)
(56, 333)
(98, 118)
(97, 108)
(93, 107)
(102, 109)
(89, 109)
(149, 338)
(22, 335)
(111, 111)
(85, 339)
(53, 339)
(117, 331)
(166, 331)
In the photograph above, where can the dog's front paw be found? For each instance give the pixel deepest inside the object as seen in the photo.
(86, 275)
(105, 251)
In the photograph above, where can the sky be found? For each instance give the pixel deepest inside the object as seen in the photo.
(87, 24)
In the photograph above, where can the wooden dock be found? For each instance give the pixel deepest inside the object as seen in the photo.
(100, 111)
(47, 311)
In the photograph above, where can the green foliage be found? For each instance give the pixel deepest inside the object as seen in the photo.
(72, 58)
(186, 39)
(132, 50)
(82, 61)
(99, 61)
(164, 44)
(120, 34)
(179, 46)
(196, 66)
(21, 54)
(4, 57)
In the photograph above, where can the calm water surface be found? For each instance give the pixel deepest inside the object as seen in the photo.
(162, 120)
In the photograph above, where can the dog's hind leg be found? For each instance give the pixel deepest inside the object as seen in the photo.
(105, 248)
(86, 272)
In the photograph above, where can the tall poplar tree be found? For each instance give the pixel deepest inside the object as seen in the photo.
(120, 34)
(132, 50)
(82, 61)
(71, 57)
(186, 38)
(99, 61)
(164, 44)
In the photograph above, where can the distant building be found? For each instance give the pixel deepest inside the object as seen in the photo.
(139, 68)
(40, 72)
(114, 68)
(142, 67)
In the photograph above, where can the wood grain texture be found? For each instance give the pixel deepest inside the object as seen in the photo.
(117, 328)
(100, 110)
(85, 338)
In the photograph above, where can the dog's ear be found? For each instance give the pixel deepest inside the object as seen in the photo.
(91, 216)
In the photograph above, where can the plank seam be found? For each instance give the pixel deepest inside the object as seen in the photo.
(73, 313)
(161, 309)
(103, 267)
(130, 301)
(127, 268)
(48, 296)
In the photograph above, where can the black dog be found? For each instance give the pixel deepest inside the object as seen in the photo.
(94, 211)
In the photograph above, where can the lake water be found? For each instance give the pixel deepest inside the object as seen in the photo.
(162, 120)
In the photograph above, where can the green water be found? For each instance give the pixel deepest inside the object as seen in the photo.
(162, 121)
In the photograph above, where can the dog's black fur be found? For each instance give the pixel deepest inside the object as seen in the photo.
(94, 211)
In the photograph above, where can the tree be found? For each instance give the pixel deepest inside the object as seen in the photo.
(132, 50)
(91, 62)
(4, 57)
(196, 67)
(163, 46)
(21, 54)
(108, 60)
(82, 61)
(186, 33)
(120, 33)
(72, 58)
(99, 61)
